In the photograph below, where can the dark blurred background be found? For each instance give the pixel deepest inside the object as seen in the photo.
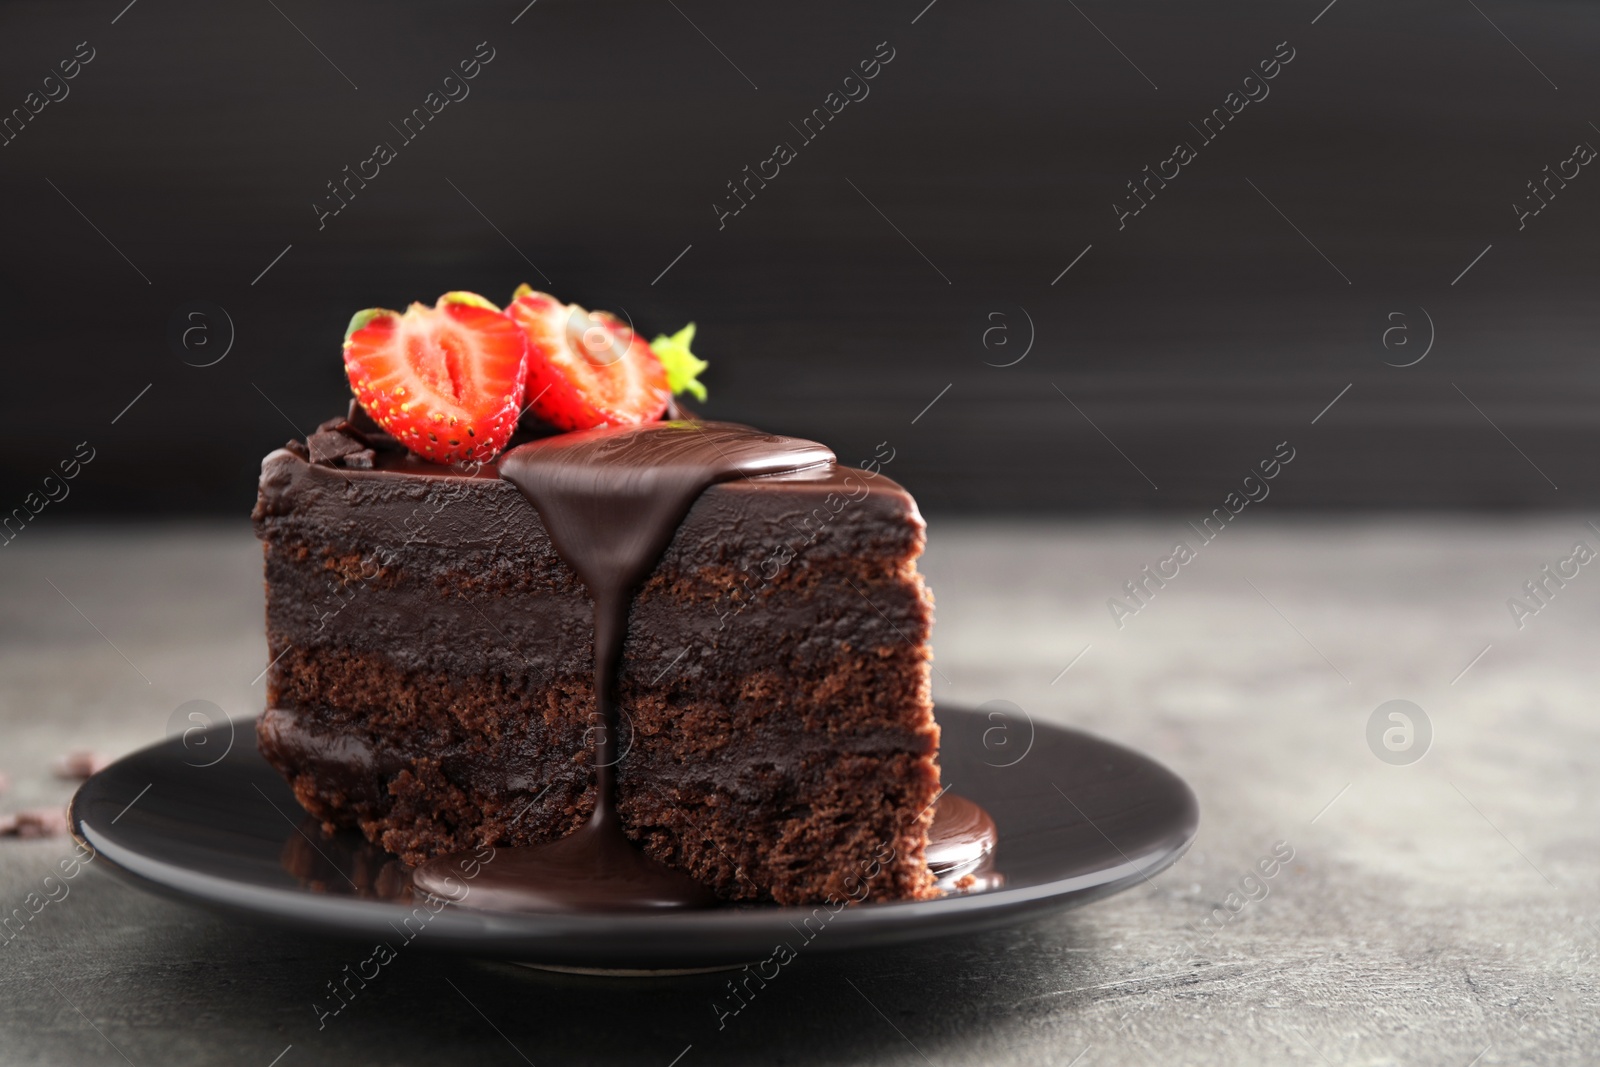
(900, 259)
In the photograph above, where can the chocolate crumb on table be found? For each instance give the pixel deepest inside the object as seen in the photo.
(80, 764)
(34, 822)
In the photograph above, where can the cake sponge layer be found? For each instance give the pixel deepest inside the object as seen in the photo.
(433, 675)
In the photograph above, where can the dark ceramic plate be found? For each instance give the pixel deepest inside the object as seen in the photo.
(204, 818)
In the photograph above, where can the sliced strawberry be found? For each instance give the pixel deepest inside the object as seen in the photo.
(446, 381)
(586, 368)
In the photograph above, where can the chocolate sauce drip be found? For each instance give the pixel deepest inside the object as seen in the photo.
(961, 845)
(611, 500)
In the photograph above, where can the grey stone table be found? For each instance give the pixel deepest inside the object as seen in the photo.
(1437, 911)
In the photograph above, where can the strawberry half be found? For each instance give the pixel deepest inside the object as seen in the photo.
(586, 368)
(446, 381)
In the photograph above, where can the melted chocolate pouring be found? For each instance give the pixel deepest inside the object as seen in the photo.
(611, 500)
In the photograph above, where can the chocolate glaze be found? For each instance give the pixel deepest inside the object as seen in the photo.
(961, 845)
(962, 833)
(345, 762)
(611, 499)
(595, 868)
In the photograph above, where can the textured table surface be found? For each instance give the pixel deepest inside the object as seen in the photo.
(1440, 911)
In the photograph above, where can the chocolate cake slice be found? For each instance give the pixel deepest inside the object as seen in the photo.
(766, 728)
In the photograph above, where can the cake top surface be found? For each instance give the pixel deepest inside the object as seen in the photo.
(466, 390)
(612, 497)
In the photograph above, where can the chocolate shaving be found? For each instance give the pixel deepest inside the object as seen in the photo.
(36, 822)
(376, 437)
(329, 445)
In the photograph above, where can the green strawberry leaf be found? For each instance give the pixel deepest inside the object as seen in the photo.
(364, 317)
(683, 367)
(470, 299)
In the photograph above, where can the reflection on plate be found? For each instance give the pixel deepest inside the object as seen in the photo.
(344, 864)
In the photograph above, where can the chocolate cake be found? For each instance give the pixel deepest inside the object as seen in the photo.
(684, 642)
